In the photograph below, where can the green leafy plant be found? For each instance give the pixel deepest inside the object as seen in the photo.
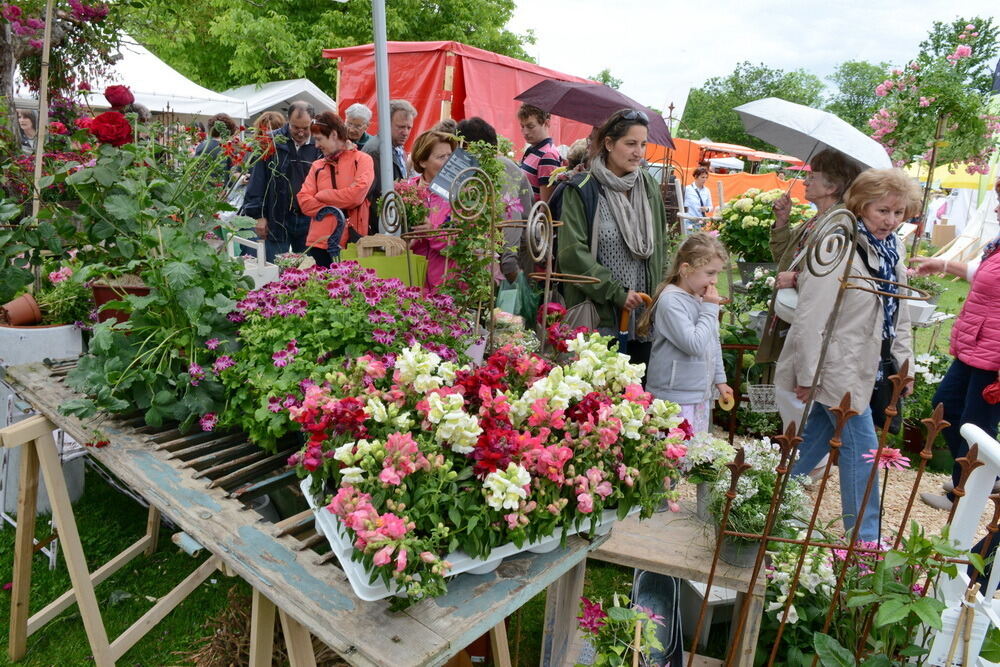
(473, 248)
(161, 360)
(886, 587)
(612, 631)
(746, 221)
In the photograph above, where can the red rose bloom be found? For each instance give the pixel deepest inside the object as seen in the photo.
(991, 394)
(118, 96)
(55, 127)
(111, 128)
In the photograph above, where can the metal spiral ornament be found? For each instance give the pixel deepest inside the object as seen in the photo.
(831, 241)
(393, 213)
(540, 232)
(471, 195)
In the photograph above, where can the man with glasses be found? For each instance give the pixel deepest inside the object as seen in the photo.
(357, 117)
(401, 117)
(275, 182)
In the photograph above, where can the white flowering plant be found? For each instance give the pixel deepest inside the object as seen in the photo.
(419, 458)
(746, 220)
(928, 371)
(705, 457)
(748, 513)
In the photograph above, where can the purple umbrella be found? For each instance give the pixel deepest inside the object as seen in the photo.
(591, 103)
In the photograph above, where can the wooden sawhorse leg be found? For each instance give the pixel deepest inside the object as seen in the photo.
(298, 641)
(559, 628)
(35, 436)
(39, 453)
(498, 645)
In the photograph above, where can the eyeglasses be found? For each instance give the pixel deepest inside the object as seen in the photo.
(635, 115)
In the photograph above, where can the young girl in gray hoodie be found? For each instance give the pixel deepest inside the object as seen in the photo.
(685, 365)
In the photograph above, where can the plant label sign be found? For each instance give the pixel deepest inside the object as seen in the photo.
(459, 161)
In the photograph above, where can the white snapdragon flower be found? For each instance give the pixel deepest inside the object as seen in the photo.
(446, 372)
(352, 475)
(454, 426)
(505, 490)
(415, 361)
(425, 382)
(664, 415)
(631, 415)
(377, 410)
(345, 453)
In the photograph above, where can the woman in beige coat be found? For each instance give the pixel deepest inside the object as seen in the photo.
(870, 337)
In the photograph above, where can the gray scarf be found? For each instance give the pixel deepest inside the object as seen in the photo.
(626, 197)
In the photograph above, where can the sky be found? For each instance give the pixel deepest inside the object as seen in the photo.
(662, 48)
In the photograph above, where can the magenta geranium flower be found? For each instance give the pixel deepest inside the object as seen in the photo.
(591, 616)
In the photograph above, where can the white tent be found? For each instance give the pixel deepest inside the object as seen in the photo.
(277, 95)
(160, 87)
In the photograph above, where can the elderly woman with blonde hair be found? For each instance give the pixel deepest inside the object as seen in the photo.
(870, 339)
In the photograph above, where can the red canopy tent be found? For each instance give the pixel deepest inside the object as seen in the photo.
(449, 80)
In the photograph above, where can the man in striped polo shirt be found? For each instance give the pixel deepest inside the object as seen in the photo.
(541, 157)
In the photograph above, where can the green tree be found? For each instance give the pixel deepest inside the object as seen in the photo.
(222, 43)
(709, 109)
(854, 98)
(605, 77)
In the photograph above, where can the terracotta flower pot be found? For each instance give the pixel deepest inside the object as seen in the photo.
(22, 311)
(105, 293)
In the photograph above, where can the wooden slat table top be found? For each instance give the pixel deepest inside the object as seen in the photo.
(317, 595)
(676, 544)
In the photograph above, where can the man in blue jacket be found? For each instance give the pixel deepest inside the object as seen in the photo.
(275, 182)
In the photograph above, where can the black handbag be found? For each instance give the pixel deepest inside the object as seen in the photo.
(882, 392)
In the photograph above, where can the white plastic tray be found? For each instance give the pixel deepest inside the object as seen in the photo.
(343, 546)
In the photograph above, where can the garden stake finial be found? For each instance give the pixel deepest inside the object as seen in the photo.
(935, 423)
(967, 463)
(736, 469)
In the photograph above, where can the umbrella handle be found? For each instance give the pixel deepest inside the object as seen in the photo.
(627, 312)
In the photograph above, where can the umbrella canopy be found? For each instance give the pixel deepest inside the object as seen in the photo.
(591, 103)
(954, 175)
(803, 131)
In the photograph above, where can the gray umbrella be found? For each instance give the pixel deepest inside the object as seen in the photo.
(803, 131)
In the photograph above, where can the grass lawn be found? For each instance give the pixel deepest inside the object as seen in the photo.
(109, 522)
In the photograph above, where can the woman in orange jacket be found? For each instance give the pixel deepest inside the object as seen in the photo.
(335, 189)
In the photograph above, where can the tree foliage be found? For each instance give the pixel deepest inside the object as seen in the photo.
(605, 77)
(854, 99)
(941, 41)
(709, 110)
(225, 43)
(946, 86)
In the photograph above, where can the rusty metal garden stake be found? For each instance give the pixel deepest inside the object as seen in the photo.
(736, 468)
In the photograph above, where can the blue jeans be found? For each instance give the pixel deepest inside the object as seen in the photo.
(961, 392)
(858, 437)
(288, 234)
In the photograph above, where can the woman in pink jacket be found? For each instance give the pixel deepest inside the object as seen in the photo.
(975, 344)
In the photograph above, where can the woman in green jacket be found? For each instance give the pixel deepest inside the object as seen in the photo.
(627, 227)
